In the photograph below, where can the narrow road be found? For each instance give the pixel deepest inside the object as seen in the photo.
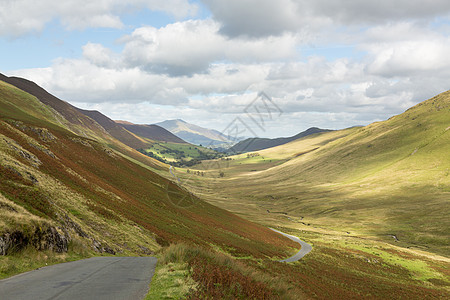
(306, 248)
(99, 278)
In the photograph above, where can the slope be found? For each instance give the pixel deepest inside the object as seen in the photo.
(75, 121)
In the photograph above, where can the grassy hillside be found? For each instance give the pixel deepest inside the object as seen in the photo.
(366, 198)
(114, 129)
(96, 199)
(388, 178)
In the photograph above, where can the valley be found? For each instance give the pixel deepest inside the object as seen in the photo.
(373, 202)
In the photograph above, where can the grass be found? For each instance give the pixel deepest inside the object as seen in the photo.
(214, 275)
(171, 281)
(339, 267)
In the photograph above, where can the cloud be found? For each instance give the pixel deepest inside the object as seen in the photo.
(214, 67)
(20, 17)
(189, 47)
(258, 18)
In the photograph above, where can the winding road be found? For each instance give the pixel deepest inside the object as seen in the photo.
(306, 248)
(99, 278)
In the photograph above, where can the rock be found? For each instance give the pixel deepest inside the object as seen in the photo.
(41, 239)
(50, 239)
(12, 242)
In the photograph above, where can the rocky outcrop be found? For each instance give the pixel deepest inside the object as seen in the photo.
(50, 239)
(12, 242)
(41, 239)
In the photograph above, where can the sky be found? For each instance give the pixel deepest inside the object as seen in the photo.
(329, 64)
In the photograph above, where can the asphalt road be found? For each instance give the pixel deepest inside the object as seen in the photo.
(306, 248)
(94, 278)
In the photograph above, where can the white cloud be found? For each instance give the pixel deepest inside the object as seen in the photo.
(19, 17)
(428, 53)
(189, 47)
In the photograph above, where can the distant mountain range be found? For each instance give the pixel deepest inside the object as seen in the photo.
(194, 134)
(255, 144)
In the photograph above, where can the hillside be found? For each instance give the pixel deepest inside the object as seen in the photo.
(64, 192)
(386, 179)
(194, 134)
(151, 132)
(255, 144)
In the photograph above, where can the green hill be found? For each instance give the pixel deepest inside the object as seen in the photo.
(388, 178)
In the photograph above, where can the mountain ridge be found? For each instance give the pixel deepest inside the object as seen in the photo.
(256, 144)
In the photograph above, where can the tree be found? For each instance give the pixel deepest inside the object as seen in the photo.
(221, 174)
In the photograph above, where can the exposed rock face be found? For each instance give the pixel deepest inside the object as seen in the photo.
(11, 242)
(47, 239)
(50, 239)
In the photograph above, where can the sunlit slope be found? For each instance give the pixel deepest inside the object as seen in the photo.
(388, 178)
(99, 197)
(418, 137)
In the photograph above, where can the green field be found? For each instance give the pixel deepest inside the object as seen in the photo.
(179, 154)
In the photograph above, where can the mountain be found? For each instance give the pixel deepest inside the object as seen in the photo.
(194, 134)
(85, 195)
(255, 144)
(151, 132)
